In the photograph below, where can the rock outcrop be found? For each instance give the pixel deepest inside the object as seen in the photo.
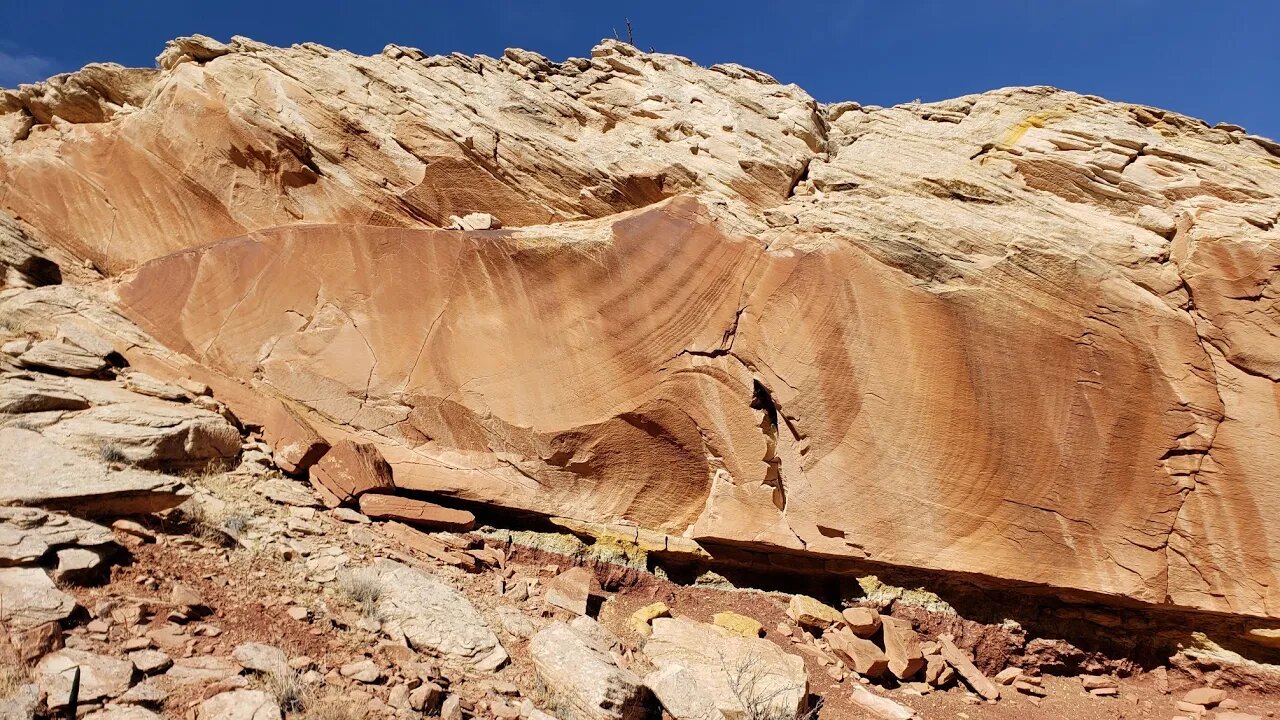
(1029, 335)
(43, 474)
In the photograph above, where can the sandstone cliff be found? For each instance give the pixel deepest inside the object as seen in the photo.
(1028, 335)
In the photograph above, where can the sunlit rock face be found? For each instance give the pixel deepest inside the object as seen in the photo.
(1028, 335)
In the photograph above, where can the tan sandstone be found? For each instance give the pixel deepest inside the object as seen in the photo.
(999, 325)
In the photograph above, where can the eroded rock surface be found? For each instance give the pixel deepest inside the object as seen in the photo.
(1029, 334)
(432, 616)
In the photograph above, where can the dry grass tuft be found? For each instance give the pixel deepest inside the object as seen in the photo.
(112, 453)
(330, 707)
(291, 694)
(363, 588)
(14, 673)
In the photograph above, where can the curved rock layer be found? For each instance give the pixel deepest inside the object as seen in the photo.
(1028, 335)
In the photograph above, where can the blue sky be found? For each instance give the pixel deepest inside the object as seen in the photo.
(1219, 61)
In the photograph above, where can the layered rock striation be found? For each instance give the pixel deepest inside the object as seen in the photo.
(1027, 335)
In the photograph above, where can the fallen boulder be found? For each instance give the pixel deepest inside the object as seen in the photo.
(902, 646)
(812, 614)
(585, 682)
(349, 470)
(575, 590)
(706, 671)
(862, 655)
(972, 676)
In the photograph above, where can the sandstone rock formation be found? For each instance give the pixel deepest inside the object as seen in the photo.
(1027, 335)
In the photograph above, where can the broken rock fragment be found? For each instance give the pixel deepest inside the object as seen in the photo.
(415, 512)
(862, 655)
(812, 614)
(972, 676)
(349, 470)
(575, 590)
(902, 646)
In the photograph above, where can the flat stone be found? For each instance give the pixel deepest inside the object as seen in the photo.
(581, 676)
(881, 707)
(201, 669)
(77, 566)
(1091, 682)
(150, 661)
(286, 492)
(415, 512)
(144, 384)
(1207, 697)
(347, 515)
(740, 624)
(62, 355)
(434, 617)
(123, 712)
(262, 658)
(101, 677)
(47, 475)
(706, 671)
(28, 598)
(349, 470)
(185, 596)
(239, 705)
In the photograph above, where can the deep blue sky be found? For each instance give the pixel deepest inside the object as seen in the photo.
(1214, 60)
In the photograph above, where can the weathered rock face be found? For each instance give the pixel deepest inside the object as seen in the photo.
(1028, 335)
